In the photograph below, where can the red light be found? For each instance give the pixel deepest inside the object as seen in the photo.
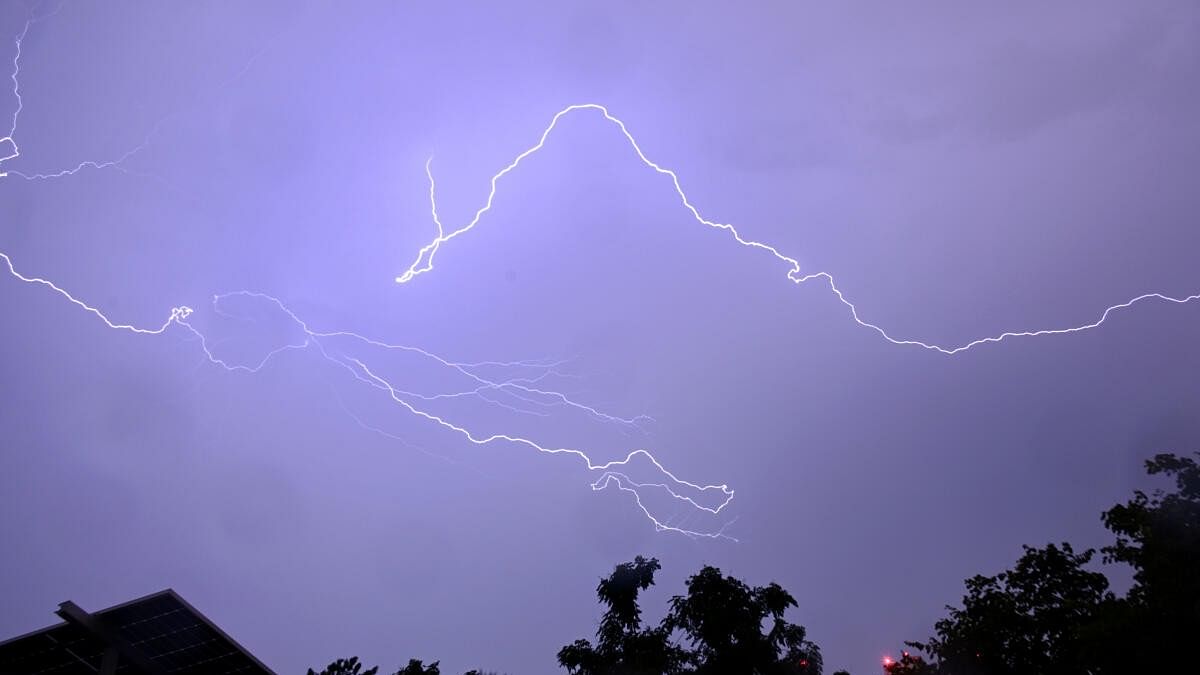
(887, 661)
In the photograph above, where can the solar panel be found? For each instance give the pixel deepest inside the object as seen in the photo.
(160, 633)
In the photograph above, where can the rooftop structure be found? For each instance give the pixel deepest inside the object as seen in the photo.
(158, 634)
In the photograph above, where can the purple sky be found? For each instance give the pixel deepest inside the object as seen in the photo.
(961, 173)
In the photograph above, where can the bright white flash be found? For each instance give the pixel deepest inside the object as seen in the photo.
(424, 260)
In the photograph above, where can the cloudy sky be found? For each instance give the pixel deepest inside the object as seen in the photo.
(960, 171)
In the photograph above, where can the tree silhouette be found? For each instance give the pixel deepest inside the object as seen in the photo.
(1049, 615)
(415, 667)
(909, 664)
(1024, 620)
(623, 646)
(1159, 537)
(722, 618)
(349, 666)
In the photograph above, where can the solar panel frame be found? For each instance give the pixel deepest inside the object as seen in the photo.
(163, 627)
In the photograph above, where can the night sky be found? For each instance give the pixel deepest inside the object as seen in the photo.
(960, 171)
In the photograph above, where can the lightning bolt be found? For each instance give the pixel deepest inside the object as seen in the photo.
(9, 144)
(708, 499)
(10, 140)
(14, 151)
(521, 393)
(358, 356)
(424, 259)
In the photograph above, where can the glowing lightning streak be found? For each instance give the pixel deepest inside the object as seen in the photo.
(424, 260)
(117, 163)
(515, 384)
(604, 480)
(520, 384)
(610, 476)
(178, 314)
(362, 373)
(11, 138)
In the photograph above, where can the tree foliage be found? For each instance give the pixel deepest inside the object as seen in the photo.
(909, 664)
(349, 666)
(720, 618)
(623, 645)
(1050, 615)
(415, 667)
(1159, 537)
(1024, 620)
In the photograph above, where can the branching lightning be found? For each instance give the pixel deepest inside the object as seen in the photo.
(424, 259)
(527, 387)
(524, 392)
(10, 141)
(702, 498)
(14, 151)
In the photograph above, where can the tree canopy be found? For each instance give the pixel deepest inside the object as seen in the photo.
(720, 623)
(1051, 615)
(351, 666)
(623, 644)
